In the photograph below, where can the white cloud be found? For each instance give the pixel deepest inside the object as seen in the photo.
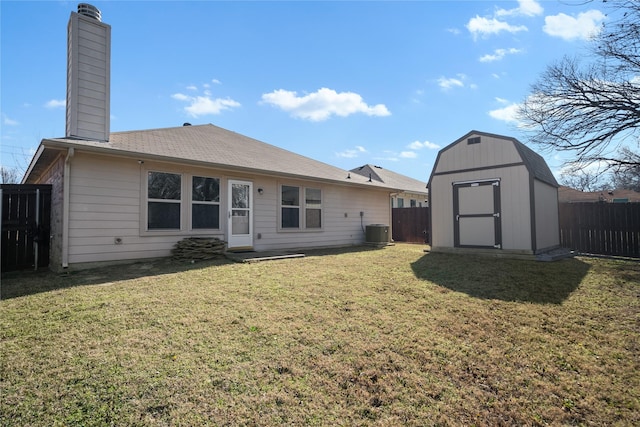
(192, 87)
(480, 26)
(322, 104)
(205, 105)
(408, 155)
(506, 114)
(56, 103)
(417, 145)
(352, 153)
(448, 83)
(525, 8)
(216, 81)
(8, 121)
(584, 26)
(499, 54)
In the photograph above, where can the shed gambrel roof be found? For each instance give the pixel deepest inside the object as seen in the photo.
(534, 162)
(392, 178)
(208, 146)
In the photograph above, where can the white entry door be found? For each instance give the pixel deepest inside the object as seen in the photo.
(240, 215)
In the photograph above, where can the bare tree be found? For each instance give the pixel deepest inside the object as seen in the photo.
(592, 111)
(8, 175)
(583, 179)
(627, 176)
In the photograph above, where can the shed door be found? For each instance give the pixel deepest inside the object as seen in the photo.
(476, 206)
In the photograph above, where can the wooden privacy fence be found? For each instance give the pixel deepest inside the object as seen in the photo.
(601, 228)
(26, 220)
(410, 225)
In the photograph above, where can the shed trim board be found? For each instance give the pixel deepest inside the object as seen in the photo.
(507, 165)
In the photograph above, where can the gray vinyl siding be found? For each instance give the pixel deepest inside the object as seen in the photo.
(88, 74)
(107, 201)
(341, 207)
(103, 205)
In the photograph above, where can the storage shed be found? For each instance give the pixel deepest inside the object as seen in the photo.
(491, 193)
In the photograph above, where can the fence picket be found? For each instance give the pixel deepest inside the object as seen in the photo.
(601, 228)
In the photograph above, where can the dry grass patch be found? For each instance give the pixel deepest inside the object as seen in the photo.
(368, 337)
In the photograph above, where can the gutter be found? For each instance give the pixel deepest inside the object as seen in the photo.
(57, 143)
(65, 207)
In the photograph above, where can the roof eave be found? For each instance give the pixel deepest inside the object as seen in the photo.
(59, 143)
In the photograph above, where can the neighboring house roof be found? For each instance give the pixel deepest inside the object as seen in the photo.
(204, 145)
(394, 179)
(569, 195)
(534, 162)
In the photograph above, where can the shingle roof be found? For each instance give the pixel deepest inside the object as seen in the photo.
(569, 195)
(391, 178)
(211, 146)
(534, 162)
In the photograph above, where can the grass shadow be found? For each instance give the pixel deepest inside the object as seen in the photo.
(28, 282)
(16, 284)
(503, 279)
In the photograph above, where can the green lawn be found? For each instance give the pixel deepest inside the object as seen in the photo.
(392, 336)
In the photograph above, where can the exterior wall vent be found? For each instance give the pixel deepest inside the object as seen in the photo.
(473, 140)
(90, 11)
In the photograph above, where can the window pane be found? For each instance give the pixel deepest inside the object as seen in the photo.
(313, 197)
(400, 202)
(206, 189)
(240, 196)
(240, 222)
(290, 196)
(290, 218)
(164, 216)
(313, 218)
(205, 216)
(164, 186)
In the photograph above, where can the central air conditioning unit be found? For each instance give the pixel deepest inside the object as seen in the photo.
(377, 234)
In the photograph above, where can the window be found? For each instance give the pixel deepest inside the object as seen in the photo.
(205, 202)
(313, 208)
(290, 211)
(412, 203)
(164, 198)
(474, 140)
(400, 202)
(294, 209)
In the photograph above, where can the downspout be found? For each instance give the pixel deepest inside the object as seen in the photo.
(65, 207)
(391, 196)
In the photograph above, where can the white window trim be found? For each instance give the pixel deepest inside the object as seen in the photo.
(186, 196)
(302, 209)
(199, 202)
(147, 200)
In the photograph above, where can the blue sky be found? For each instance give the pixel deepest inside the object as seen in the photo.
(347, 83)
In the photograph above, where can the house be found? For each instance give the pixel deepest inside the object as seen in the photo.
(492, 194)
(133, 195)
(414, 195)
(571, 195)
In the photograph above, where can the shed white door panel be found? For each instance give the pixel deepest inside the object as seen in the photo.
(477, 231)
(476, 206)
